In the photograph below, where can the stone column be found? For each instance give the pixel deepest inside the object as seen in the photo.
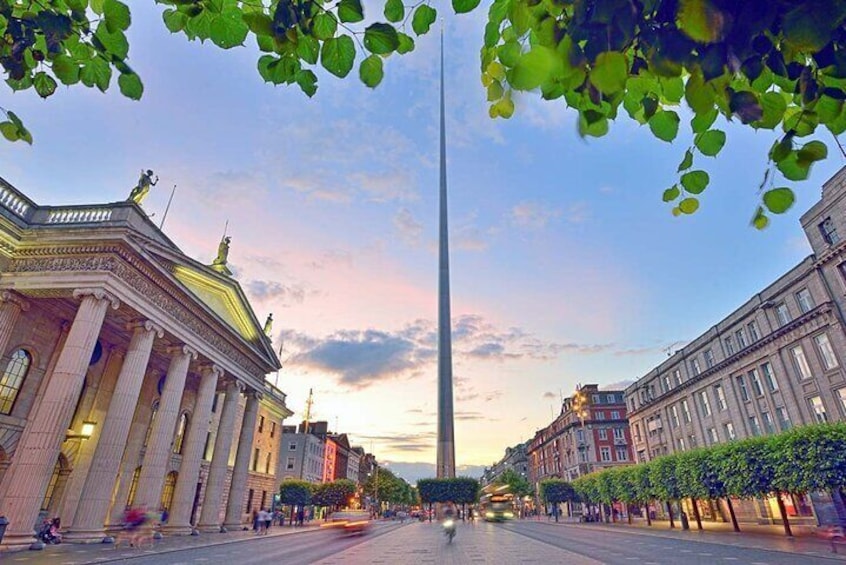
(39, 446)
(158, 452)
(179, 521)
(210, 516)
(10, 311)
(96, 494)
(242, 462)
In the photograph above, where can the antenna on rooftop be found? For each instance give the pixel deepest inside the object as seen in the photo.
(308, 410)
(169, 200)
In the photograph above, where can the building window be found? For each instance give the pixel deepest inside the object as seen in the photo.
(681, 444)
(674, 416)
(721, 397)
(741, 385)
(603, 433)
(272, 429)
(13, 378)
(769, 376)
(289, 463)
(622, 454)
(605, 453)
(704, 403)
(181, 430)
(741, 339)
(263, 499)
(256, 455)
(800, 362)
(133, 487)
(829, 232)
(782, 314)
(637, 426)
(261, 424)
(769, 425)
(709, 358)
(694, 364)
(665, 384)
(685, 412)
(292, 446)
(691, 441)
(756, 382)
(783, 418)
(599, 415)
(826, 352)
(250, 494)
(167, 490)
(267, 464)
(754, 426)
(580, 436)
(754, 335)
(154, 411)
(806, 303)
(818, 408)
(208, 448)
(728, 427)
(729, 346)
(615, 414)
(712, 436)
(677, 378)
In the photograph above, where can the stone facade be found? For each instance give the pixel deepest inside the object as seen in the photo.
(775, 362)
(514, 459)
(113, 347)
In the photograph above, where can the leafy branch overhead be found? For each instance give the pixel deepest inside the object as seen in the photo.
(768, 64)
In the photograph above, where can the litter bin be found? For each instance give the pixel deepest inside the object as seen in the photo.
(3, 523)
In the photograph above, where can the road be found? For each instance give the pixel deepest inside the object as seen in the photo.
(423, 544)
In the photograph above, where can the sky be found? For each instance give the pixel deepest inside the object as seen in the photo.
(566, 266)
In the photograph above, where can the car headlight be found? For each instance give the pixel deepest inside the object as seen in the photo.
(489, 514)
(509, 514)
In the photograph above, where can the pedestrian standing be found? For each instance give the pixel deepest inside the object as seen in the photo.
(255, 521)
(268, 519)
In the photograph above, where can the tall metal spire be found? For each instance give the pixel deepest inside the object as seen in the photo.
(446, 437)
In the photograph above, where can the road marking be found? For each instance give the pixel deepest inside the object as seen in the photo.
(730, 558)
(706, 554)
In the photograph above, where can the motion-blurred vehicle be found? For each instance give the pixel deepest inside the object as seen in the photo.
(449, 529)
(349, 522)
(497, 507)
(834, 534)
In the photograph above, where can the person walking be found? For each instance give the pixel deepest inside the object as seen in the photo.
(255, 521)
(268, 520)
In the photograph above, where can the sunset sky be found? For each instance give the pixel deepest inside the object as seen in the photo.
(566, 266)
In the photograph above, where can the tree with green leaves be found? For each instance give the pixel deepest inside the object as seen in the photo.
(665, 484)
(747, 470)
(698, 478)
(518, 485)
(294, 492)
(644, 492)
(775, 65)
(555, 491)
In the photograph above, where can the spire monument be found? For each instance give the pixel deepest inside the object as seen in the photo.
(446, 437)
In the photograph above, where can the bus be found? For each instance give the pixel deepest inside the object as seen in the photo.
(497, 506)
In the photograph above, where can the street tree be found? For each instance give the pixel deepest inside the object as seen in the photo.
(294, 492)
(555, 491)
(662, 476)
(773, 65)
(517, 484)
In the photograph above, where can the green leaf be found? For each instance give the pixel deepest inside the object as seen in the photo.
(308, 49)
(370, 71)
(307, 81)
(610, 72)
(689, 205)
(664, 125)
(813, 151)
(130, 85)
(504, 108)
(96, 72)
(381, 39)
(760, 220)
(325, 26)
(495, 91)
(779, 200)
(111, 43)
(671, 193)
(116, 15)
(228, 30)
(695, 182)
(710, 142)
(745, 104)
(9, 131)
(406, 43)
(423, 18)
(66, 69)
(701, 122)
(698, 94)
(809, 25)
(464, 6)
(259, 23)
(350, 11)
(174, 20)
(509, 53)
(774, 106)
(687, 162)
(701, 20)
(793, 168)
(394, 10)
(534, 68)
(44, 84)
(338, 55)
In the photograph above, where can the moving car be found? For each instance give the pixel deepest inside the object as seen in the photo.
(349, 522)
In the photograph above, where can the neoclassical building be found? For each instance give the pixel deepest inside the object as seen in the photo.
(130, 374)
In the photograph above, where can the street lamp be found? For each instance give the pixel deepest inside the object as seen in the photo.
(85, 433)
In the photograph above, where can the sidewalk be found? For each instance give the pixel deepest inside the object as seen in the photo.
(753, 536)
(104, 553)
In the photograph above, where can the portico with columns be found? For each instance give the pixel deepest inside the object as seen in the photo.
(129, 374)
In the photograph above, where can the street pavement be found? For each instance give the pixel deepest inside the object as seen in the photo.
(521, 541)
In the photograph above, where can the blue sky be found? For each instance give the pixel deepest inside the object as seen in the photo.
(566, 265)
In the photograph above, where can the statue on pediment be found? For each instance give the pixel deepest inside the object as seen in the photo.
(268, 325)
(219, 263)
(145, 183)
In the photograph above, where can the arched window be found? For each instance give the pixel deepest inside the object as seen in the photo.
(181, 430)
(155, 410)
(133, 486)
(167, 491)
(13, 378)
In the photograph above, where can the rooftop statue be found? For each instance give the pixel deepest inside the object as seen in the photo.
(140, 191)
(219, 263)
(268, 325)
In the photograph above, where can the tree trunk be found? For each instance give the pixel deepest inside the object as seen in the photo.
(648, 517)
(463, 510)
(629, 513)
(430, 511)
(670, 512)
(696, 514)
(839, 505)
(784, 518)
(732, 514)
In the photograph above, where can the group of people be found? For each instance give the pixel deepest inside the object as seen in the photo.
(49, 531)
(263, 519)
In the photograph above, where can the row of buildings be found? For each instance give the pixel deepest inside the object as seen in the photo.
(132, 375)
(775, 362)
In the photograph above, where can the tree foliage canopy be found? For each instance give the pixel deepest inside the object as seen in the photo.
(461, 490)
(776, 65)
(518, 485)
(295, 492)
(555, 491)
